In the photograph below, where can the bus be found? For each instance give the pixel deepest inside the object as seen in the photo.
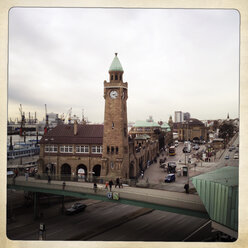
(172, 151)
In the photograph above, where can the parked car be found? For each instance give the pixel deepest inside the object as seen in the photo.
(227, 157)
(196, 147)
(163, 165)
(170, 178)
(76, 208)
(171, 167)
(236, 156)
(162, 160)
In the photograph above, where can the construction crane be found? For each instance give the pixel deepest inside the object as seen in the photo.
(68, 114)
(62, 117)
(47, 124)
(22, 120)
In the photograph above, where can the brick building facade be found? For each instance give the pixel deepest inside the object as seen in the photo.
(105, 151)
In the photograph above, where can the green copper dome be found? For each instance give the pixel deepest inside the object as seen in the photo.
(116, 65)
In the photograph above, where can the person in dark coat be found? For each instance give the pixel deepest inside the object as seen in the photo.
(110, 184)
(95, 187)
(117, 182)
(63, 185)
(186, 187)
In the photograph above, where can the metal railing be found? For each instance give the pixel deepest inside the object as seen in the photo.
(91, 179)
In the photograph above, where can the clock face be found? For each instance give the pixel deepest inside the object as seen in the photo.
(113, 94)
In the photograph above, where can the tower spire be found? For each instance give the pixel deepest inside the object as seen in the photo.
(116, 65)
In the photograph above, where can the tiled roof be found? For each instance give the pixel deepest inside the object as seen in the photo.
(194, 121)
(64, 134)
(166, 126)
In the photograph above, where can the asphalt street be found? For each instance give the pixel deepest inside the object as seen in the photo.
(155, 175)
(104, 221)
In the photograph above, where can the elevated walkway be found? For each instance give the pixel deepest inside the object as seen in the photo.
(176, 202)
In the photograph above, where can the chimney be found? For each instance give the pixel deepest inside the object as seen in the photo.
(75, 127)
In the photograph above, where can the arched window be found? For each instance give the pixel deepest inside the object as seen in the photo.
(112, 149)
(116, 77)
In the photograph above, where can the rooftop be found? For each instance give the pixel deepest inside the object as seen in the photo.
(64, 134)
(146, 124)
(116, 65)
(227, 176)
(142, 137)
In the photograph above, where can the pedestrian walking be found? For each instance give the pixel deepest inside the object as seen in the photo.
(121, 186)
(49, 179)
(16, 173)
(117, 182)
(26, 176)
(110, 185)
(63, 185)
(106, 185)
(186, 187)
(142, 175)
(95, 187)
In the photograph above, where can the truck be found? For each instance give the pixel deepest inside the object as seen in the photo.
(187, 147)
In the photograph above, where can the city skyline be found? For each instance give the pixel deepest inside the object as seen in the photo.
(185, 60)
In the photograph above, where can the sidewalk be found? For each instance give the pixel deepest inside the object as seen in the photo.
(146, 195)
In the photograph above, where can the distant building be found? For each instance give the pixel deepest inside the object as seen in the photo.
(193, 129)
(178, 116)
(186, 116)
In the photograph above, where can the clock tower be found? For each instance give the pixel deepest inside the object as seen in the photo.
(115, 158)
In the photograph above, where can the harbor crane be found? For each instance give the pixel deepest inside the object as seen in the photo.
(22, 120)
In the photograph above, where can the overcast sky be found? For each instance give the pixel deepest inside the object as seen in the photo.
(173, 59)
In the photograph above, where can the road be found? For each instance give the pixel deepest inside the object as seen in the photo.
(104, 221)
(156, 175)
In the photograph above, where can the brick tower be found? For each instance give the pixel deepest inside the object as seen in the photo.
(115, 158)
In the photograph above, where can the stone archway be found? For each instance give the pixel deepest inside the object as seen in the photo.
(97, 170)
(65, 172)
(82, 172)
